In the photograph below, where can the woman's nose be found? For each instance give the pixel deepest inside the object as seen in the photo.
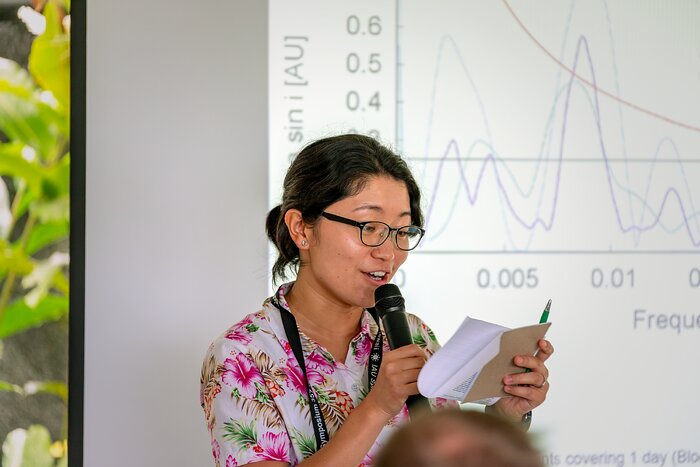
(386, 250)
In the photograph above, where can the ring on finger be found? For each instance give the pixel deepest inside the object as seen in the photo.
(544, 381)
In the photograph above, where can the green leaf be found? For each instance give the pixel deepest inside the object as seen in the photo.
(418, 339)
(323, 396)
(431, 336)
(243, 435)
(56, 181)
(57, 209)
(19, 316)
(24, 118)
(305, 443)
(12, 164)
(13, 259)
(57, 388)
(28, 114)
(49, 60)
(46, 234)
(28, 199)
(36, 448)
(261, 394)
(61, 174)
(61, 283)
(9, 387)
(28, 448)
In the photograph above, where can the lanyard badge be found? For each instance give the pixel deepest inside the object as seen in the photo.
(373, 365)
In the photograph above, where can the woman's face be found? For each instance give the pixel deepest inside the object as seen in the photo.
(341, 267)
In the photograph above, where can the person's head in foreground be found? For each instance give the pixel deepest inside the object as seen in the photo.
(458, 438)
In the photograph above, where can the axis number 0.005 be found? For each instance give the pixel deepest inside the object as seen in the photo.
(505, 278)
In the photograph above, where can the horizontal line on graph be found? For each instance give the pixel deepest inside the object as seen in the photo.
(556, 252)
(573, 159)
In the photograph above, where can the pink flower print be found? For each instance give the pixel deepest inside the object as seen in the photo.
(400, 418)
(441, 403)
(295, 378)
(241, 373)
(315, 377)
(288, 349)
(215, 450)
(231, 462)
(273, 447)
(362, 348)
(240, 332)
(317, 361)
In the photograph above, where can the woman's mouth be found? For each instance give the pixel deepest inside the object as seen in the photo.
(378, 276)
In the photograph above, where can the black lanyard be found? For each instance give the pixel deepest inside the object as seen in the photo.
(292, 331)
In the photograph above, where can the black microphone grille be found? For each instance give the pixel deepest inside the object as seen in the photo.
(388, 298)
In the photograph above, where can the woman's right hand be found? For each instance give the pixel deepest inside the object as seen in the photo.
(397, 379)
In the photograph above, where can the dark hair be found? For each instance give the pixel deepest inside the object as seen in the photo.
(459, 438)
(327, 171)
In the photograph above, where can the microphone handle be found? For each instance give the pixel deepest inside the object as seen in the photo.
(417, 404)
(398, 333)
(396, 328)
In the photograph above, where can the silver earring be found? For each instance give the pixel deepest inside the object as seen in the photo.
(304, 243)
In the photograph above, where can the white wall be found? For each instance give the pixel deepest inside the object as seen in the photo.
(176, 201)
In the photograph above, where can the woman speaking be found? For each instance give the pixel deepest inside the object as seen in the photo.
(289, 384)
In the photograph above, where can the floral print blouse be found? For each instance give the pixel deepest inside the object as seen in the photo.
(254, 394)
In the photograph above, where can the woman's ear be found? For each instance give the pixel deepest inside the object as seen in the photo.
(297, 228)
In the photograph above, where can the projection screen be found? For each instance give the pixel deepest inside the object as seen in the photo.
(557, 147)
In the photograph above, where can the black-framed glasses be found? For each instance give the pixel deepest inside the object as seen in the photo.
(375, 233)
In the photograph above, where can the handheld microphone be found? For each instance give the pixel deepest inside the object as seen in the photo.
(391, 309)
(390, 306)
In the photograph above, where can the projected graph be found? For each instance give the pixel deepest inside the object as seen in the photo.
(581, 159)
(557, 146)
(558, 149)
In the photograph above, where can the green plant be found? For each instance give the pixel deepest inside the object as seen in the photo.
(34, 210)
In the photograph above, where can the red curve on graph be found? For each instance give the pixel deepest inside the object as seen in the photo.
(592, 85)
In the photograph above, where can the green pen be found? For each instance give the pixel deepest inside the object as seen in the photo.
(545, 313)
(543, 319)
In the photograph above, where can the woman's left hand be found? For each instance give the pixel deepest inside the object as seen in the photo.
(528, 389)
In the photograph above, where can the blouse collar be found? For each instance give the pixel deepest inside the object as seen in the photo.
(368, 327)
